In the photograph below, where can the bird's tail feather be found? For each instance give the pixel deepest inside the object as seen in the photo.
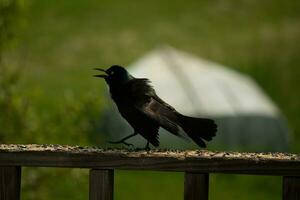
(198, 128)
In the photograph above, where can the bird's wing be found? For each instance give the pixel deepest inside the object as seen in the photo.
(164, 116)
(148, 103)
(134, 94)
(141, 124)
(158, 99)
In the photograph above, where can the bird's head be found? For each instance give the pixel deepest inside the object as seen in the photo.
(115, 75)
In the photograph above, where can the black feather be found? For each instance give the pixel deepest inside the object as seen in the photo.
(198, 128)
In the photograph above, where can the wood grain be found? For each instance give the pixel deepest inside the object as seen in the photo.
(10, 183)
(196, 186)
(291, 188)
(199, 161)
(101, 184)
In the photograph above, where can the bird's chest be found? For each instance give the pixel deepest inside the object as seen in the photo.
(121, 98)
(128, 103)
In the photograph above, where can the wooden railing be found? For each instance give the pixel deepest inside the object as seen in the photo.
(196, 164)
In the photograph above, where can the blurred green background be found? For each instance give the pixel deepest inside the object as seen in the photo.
(48, 95)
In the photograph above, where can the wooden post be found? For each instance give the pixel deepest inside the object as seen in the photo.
(291, 188)
(195, 186)
(10, 183)
(101, 184)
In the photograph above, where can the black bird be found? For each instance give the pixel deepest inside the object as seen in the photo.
(146, 112)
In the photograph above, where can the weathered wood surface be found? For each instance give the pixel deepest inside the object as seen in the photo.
(101, 184)
(200, 161)
(291, 188)
(196, 186)
(10, 183)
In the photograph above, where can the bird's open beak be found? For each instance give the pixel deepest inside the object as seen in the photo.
(101, 75)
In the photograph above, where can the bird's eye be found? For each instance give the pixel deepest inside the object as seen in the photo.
(112, 72)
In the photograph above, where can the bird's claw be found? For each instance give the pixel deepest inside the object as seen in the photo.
(121, 142)
(128, 144)
(142, 149)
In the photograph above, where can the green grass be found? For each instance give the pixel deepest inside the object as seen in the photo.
(137, 185)
(245, 187)
(64, 40)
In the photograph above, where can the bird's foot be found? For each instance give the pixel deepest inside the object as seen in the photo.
(121, 142)
(143, 149)
(146, 148)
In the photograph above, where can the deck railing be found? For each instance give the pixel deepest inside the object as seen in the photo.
(197, 166)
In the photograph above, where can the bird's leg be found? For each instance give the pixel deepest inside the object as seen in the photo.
(123, 140)
(147, 147)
